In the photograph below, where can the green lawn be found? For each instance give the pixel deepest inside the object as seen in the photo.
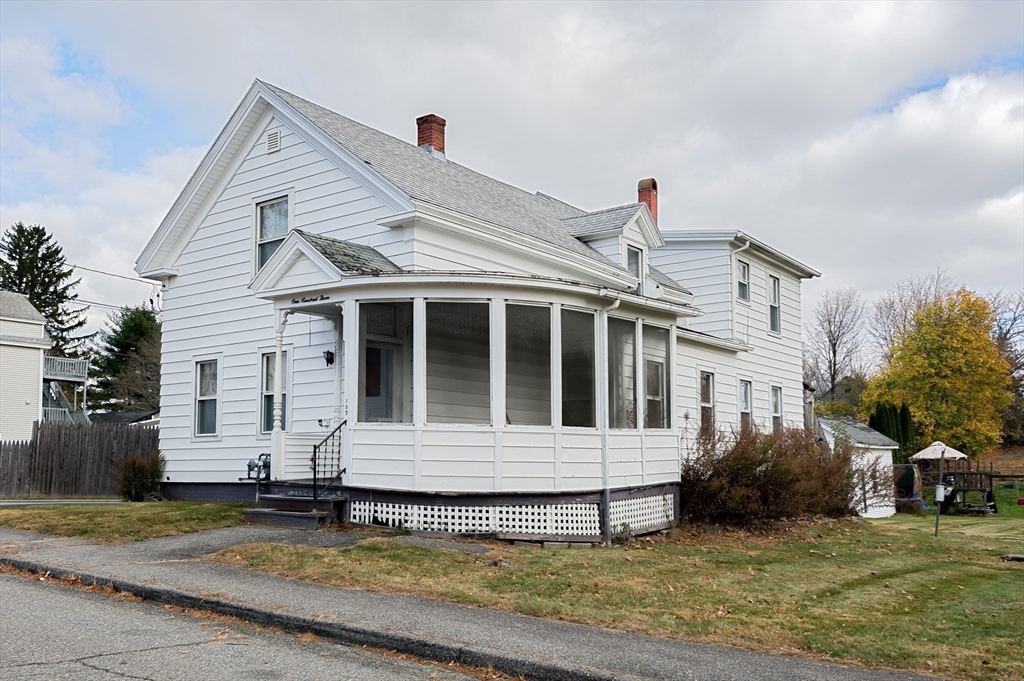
(884, 594)
(124, 522)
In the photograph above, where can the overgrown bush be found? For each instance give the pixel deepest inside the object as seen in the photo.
(753, 476)
(140, 474)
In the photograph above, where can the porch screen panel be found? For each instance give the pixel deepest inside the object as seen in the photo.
(658, 377)
(458, 363)
(621, 373)
(578, 387)
(527, 365)
(385, 362)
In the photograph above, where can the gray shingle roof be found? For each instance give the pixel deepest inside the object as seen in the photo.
(16, 305)
(348, 257)
(663, 279)
(600, 221)
(857, 432)
(446, 184)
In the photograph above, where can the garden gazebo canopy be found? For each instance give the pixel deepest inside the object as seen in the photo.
(937, 450)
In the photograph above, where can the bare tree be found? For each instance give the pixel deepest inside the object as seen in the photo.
(833, 338)
(137, 387)
(1008, 332)
(893, 313)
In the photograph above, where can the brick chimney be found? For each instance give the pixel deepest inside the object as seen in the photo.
(647, 192)
(430, 134)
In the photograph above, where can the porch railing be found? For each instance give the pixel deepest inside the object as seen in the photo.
(326, 462)
(65, 369)
(57, 414)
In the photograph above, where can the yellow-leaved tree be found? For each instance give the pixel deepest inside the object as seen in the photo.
(948, 371)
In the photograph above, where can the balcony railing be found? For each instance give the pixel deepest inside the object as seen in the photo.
(58, 414)
(65, 369)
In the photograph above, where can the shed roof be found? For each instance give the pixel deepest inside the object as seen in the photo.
(858, 433)
(124, 416)
(17, 306)
(349, 257)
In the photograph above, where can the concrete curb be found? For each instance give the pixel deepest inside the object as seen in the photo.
(343, 633)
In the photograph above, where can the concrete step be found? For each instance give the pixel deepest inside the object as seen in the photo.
(303, 520)
(289, 502)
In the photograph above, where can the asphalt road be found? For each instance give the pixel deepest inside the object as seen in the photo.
(48, 631)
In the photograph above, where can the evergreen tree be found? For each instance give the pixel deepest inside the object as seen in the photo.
(33, 264)
(906, 428)
(126, 331)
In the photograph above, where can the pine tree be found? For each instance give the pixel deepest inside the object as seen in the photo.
(33, 264)
(127, 329)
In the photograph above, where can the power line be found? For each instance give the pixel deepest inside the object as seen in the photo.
(110, 274)
(89, 302)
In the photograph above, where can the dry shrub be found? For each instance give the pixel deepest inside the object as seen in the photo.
(140, 474)
(752, 476)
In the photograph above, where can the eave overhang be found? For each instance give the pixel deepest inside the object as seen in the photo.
(738, 239)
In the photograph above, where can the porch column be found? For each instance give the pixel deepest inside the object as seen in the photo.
(601, 378)
(498, 409)
(350, 399)
(277, 435)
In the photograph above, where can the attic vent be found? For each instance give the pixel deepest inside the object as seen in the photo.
(273, 141)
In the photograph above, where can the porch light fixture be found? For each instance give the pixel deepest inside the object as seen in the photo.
(329, 357)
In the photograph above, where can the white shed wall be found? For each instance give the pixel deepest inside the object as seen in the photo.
(21, 390)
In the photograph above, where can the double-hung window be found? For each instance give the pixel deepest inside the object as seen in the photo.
(774, 316)
(269, 361)
(707, 404)
(634, 263)
(742, 280)
(776, 408)
(206, 397)
(272, 228)
(746, 417)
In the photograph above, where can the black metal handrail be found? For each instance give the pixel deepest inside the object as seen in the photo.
(326, 461)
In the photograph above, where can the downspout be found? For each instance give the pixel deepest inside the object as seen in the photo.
(606, 494)
(732, 293)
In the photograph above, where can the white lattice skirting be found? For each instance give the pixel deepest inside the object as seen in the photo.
(642, 512)
(577, 520)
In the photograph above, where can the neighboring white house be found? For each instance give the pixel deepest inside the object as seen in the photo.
(874, 494)
(483, 358)
(23, 342)
(29, 379)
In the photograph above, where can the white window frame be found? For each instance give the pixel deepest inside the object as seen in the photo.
(700, 400)
(218, 396)
(641, 257)
(551, 359)
(667, 378)
(771, 406)
(595, 388)
(747, 408)
(262, 390)
(774, 286)
(742, 281)
(260, 200)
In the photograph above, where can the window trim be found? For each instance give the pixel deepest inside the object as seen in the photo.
(750, 401)
(769, 290)
(551, 361)
(637, 384)
(740, 264)
(668, 377)
(595, 387)
(771, 407)
(641, 266)
(260, 392)
(701, 403)
(255, 203)
(194, 435)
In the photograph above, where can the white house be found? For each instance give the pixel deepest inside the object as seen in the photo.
(477, 358)
(23, 342)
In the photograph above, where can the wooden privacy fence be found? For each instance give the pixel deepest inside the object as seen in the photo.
(71, 459)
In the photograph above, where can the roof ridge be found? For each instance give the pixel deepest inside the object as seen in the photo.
(603, 210)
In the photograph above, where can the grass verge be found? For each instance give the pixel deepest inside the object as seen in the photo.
(125, 522)
(879, 594)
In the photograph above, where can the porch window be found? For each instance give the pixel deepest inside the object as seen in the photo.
(776, 408)
(267, 388)
(528, 365)
(707, 404)
(742, 280)
(774, 317)
(206, 397)
(657, 376)
(385, 358)
(621, 373)
(272, 228)
(746, 417)
(458, 363)
(578, 386)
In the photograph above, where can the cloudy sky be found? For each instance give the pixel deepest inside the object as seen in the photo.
(872, 141)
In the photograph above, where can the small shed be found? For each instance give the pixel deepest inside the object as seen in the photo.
(875, 498)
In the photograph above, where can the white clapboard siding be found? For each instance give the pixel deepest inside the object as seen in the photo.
(661, 457)
(625, 458)
(208, 309)
(457, 460)
(22, 390)
(383, 457)
(528, 461)
(609, 246)
(9, 327)
(458, 382)
(704, 270)
(580, 459)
